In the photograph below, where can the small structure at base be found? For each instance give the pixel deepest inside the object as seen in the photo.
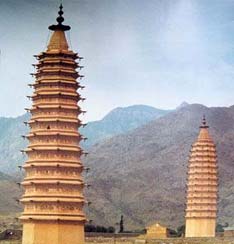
(228, 231)
(156, 231)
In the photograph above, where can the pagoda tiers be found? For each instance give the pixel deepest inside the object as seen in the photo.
(202, 187)
(53, 199)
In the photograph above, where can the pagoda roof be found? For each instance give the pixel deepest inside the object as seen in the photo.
(210, 148)
(205, 173)
(56, 60)
(200, 217)
(57, 146)
(202, 160)
(48, 79)
(51, 93)
(49, 217)
(32, 161)
(52, 199)
(202, 185)
(202, 203)
(65, 120)
(56, 83)
(203, 165)
(200, 177)
(53, 133)
(46, 106)
(56, 69)
(53, 118)
(214, 196)
(201, 210)
(53, 148)
(46, 74)
(202, 191)
(52, 182)
(58, 53)
(52, 165)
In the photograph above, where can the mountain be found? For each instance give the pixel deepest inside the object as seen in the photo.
(9, 193)
(119, 121)
(182, 105)
(11, 142)
(142, 174)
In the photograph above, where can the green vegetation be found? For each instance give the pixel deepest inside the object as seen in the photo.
(220, 227)
(180, 231)
(99, 229)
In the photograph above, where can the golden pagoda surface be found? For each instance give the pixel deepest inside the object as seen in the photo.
(202, 187)
(53, 198)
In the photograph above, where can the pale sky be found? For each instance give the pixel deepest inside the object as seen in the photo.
(154, 52)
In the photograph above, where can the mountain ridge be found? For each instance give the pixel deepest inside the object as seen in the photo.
(120, 120)
(137, 174)
(141, 174)
(117, 121)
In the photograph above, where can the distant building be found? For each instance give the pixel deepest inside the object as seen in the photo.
(202, 187)
(156, 231)
(228, 231)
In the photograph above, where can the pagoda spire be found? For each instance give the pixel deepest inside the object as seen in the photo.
(60, 20)
(53, 198)
(204, 132)
(202, 186)
(58, 39)
(204, 125)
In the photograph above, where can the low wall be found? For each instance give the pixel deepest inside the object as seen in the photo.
(193, 241)
(110, 238)
(135, 240)
(132, 239)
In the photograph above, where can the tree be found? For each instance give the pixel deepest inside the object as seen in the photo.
(181, 231)
(90, 228)
(121, 225)
(111, 229)
(220, 227)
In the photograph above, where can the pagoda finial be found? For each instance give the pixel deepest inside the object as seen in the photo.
(204, 124)
(60, 21)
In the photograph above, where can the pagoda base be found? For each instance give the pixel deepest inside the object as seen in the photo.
(53, 233)
(200, 227)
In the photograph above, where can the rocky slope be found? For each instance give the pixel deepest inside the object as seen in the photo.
(118, 121)
(11, 143)
(142, 174)
(9, 195)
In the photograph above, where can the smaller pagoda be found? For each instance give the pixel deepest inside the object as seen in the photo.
(202, 187)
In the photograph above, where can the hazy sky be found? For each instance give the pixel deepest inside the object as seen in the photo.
(155, 52)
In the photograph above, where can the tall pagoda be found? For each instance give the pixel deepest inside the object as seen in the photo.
(202, 187)
(53, 199)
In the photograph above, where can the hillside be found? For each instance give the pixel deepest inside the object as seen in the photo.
(9, 193)
(142, 174)
(118, 121)
(11, 143)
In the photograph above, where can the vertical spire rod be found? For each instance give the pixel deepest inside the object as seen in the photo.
(204, 124)
(60, 26)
